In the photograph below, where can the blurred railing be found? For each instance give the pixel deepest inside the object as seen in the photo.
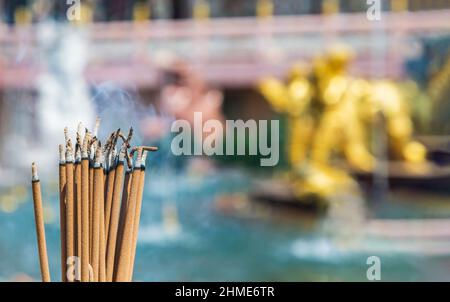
(229, 52)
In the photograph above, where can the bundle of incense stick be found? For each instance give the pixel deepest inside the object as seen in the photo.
(100, 190)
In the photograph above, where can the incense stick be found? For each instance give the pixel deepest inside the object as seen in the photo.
(98, 193)
(127, 237)
(109, 196)
(62, 210)
(40, 229)
(70, 205)
(137, 215)
(123, 211)
(91, 198)
(109, 191)
(85, 211)
(77, 200)
(102, 240)
(110, 183)
(114, 217)
(125, 195)
(91, 206)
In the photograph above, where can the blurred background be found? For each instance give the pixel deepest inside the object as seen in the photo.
(363, 104)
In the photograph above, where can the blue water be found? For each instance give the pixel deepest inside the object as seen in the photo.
(214, 247)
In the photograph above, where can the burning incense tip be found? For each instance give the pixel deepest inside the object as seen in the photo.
(92, 146)
(34, 173)
(69, 151)
(108, 144)
(84, 148)
(122, 152)
(78, 153)
(92, 141)
(129, 159)
(98, 154)
(62, 155)
(137, 163)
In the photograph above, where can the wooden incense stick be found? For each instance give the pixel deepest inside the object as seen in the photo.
(77, 201)
(91, 196)
(109, 196)
(85, 211)
(102, 250)
(125, 196)
(98, 193)
(114, 217)
(122, 215)
(110, 182)
(40, 229)
(92, 148)
(102, 238)
(78, 198)
(70, 205)
(62, 210)
(137, 215)
(91, 205)
(127, 237)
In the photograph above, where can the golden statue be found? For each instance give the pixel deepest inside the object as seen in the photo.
(311, 114)
(322, 111)
(331, 114)
(385, 97)
(293, 100)
(340, 129)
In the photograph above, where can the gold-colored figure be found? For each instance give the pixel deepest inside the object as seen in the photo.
(310, 116)
(322, 112)
(293, 100)
(339, 130)
(331, 113)
(385, 97)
